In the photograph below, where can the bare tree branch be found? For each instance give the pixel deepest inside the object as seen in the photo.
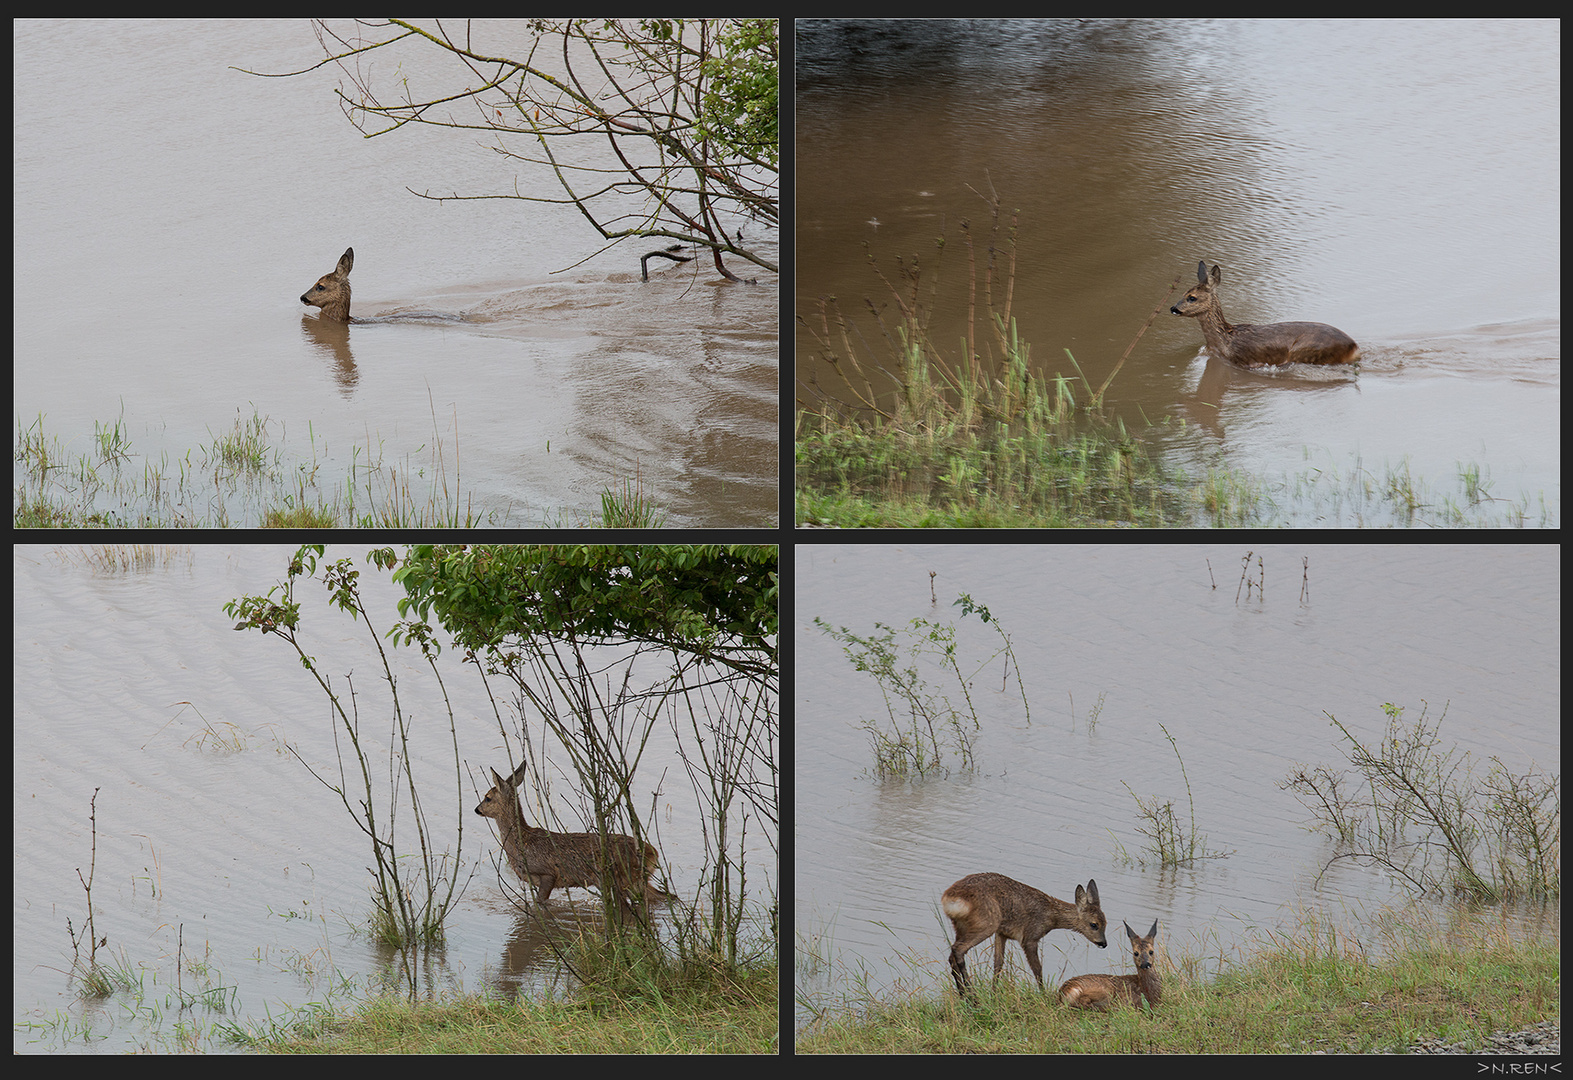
(686, 110)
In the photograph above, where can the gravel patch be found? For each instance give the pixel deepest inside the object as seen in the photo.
(1543, 1038)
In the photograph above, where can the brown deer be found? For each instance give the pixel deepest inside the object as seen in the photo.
(1104, 991)
(332, 291)
(551, 860)
(984, 905)
(1267, 345)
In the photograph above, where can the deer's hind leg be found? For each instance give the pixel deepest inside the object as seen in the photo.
(958, 956)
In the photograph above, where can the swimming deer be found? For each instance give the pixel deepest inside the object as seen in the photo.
(551, 860)
(332, 291)
(981, 905)
(1261, 346)
(1104, 991)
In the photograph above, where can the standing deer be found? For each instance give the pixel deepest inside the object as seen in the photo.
(1103, 991)
(332, 291)
(550, 860)
(1267, 345)
(981, 905)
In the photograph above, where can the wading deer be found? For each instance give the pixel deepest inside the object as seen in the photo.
(1261, 346)
(553, 860)
(984, 905)
(1103, 991)
(332, 291)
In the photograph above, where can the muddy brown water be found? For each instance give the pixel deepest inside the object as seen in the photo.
(1330, 168)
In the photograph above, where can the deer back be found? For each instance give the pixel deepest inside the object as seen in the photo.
(994, 903)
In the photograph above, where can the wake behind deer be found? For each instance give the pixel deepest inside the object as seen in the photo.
(331, 293)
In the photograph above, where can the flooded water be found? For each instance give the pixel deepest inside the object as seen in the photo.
(168, 222)
(214, 843)
(1398, 180)
(1114, 642)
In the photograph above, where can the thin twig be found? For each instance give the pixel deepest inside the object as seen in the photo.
(1097, 399)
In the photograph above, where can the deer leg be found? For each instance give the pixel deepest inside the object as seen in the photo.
(544, 883)
(958, 959)
(958, 971)
(1031, 949)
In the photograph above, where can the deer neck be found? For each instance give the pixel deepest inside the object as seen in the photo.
(1217, 331)
(1151, 988)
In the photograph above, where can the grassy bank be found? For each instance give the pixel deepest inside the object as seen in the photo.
(724, 1016)
(1293, 997)
(945, 470)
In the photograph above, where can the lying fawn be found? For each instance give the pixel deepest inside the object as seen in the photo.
(1261, 346)
(1103, 991)
(981, 905)
(332, 291)
(550, 860)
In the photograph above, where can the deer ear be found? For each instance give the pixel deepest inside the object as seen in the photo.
(496, 780)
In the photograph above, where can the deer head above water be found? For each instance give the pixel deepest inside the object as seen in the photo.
(331, 293)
